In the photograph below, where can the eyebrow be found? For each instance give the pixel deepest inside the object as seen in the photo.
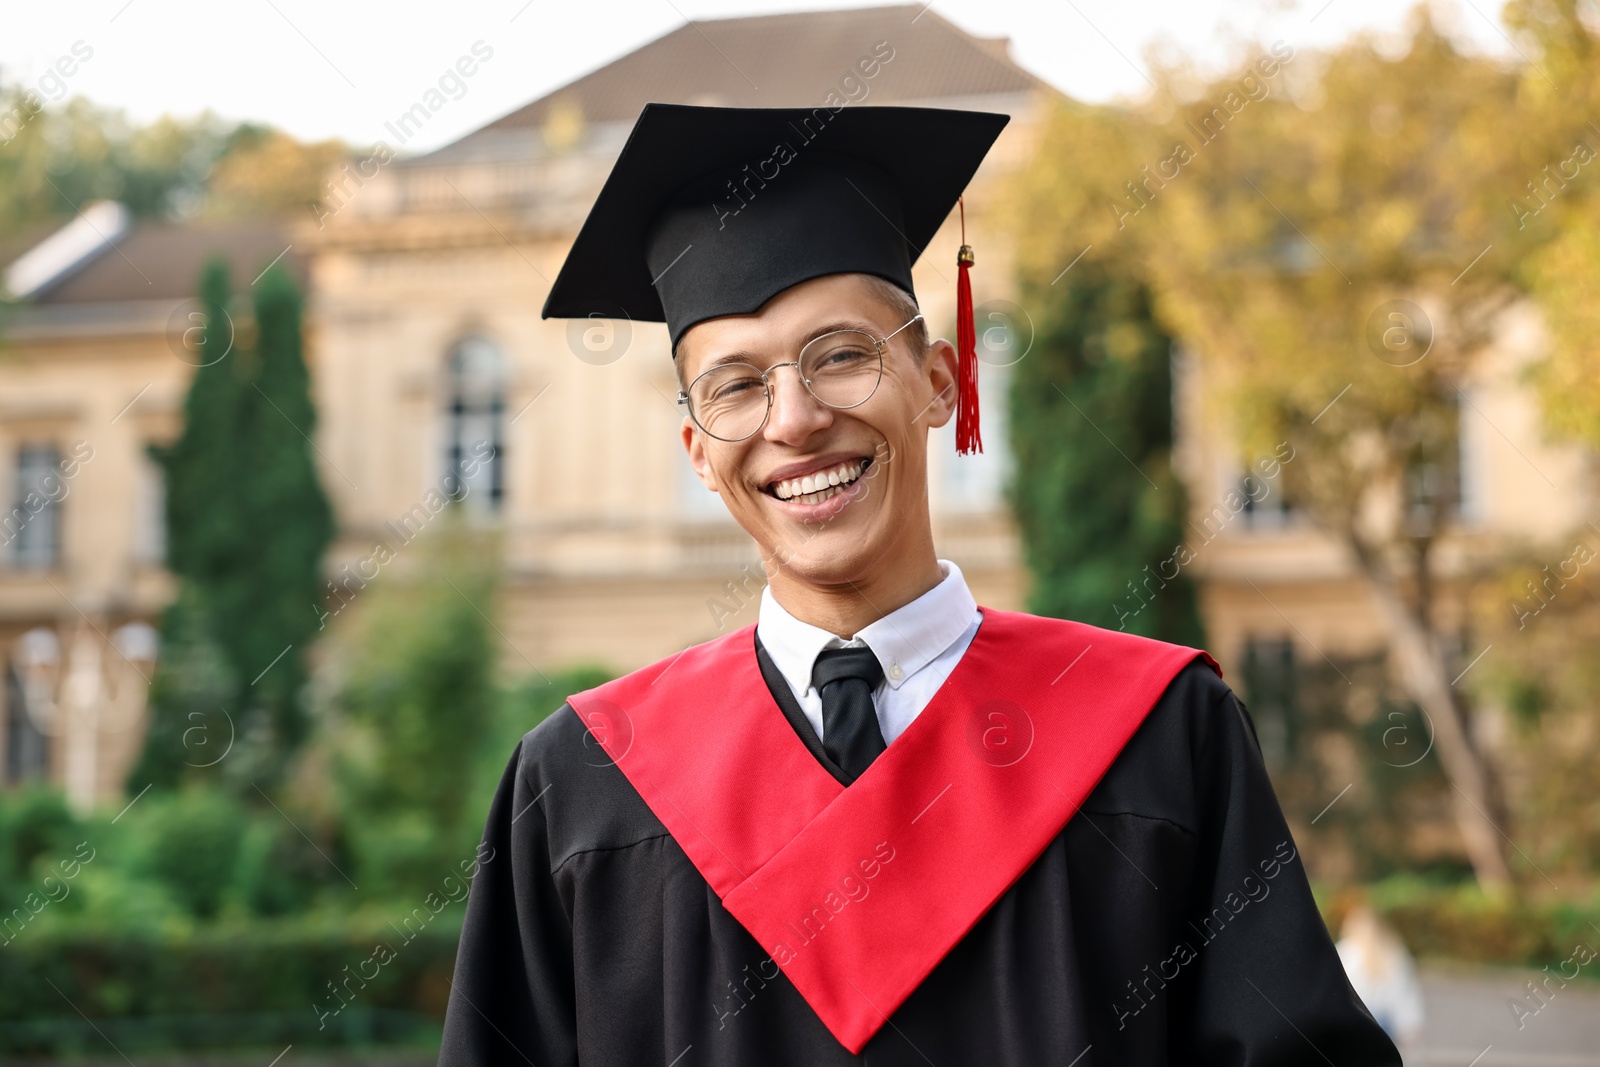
(743, 356)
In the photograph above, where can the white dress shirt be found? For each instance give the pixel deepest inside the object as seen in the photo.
(918, 645)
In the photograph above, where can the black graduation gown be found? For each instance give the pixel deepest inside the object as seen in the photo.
(1169, 922)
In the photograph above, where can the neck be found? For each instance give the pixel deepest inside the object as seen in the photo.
(847, 608)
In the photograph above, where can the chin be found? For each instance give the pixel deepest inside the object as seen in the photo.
(833, 559)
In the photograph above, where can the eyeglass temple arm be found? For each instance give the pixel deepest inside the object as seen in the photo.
(908, 322)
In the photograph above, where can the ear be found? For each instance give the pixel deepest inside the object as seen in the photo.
(695, 445)
(939, 371)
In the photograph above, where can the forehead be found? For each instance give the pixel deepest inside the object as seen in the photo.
(786, 320)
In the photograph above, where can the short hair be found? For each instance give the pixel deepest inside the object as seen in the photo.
(904, 305)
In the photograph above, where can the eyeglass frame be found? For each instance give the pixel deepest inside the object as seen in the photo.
(766, 385)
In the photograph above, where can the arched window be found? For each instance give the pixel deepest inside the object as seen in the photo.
(475, 403)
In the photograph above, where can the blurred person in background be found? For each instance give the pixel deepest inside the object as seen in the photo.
(1383, 974)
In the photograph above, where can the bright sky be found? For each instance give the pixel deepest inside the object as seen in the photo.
(320, 68)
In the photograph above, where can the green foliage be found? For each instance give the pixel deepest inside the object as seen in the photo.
(1542, 615)
(77, 152)
(59, 157)
(413, 703)
(1325, 725)
(188, 843)
(223, 985)
(170, 861)
(1096, 525)
(36, 828)
(523, 705)
(190, 728)
(243, 466)
(1462, 921)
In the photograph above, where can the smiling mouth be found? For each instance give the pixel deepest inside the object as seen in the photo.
(818, 486)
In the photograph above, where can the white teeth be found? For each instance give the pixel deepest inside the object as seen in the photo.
(816, 487)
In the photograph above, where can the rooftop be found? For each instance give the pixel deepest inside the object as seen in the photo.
(103, 256)
(787, 60)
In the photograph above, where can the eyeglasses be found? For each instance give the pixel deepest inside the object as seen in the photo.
(842, 369)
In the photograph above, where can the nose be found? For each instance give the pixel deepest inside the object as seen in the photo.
(795, 414)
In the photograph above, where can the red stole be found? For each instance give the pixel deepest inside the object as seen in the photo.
(857, 893)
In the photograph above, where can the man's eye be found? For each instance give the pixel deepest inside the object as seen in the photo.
(730, 389)
(842, 357)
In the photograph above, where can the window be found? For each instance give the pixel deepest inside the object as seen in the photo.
(31, 527)
(1266, 505)
(27, 749)
(1434, 475)
(1269, 688)
(474, 459)
(150, 513)
(1470, 482)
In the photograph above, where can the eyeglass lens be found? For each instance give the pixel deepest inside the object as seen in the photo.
(841, 370)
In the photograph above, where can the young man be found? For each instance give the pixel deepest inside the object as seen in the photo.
(883, 825)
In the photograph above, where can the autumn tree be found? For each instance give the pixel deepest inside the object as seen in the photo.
(1330, 236)
(1560, 201)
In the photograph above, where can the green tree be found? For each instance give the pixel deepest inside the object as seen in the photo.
(248, 522)
(413, 701)
(1096, 499)
(57, 158)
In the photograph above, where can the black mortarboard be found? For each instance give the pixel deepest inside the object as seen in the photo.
(713, 211)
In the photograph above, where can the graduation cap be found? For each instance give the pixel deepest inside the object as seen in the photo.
(713, 211)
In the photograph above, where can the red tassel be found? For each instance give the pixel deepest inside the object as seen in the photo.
(968, 439)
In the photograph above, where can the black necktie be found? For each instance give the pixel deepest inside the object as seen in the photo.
(846, 678)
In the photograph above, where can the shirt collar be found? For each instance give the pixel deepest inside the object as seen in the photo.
(905, 640)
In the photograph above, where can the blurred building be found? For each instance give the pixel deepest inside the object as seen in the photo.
(425, 277)
(1297, 626)
(93, 369)
(1275, 590)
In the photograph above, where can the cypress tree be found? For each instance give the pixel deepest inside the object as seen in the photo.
(247, 524)
(1097, 525)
